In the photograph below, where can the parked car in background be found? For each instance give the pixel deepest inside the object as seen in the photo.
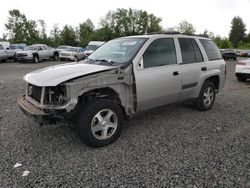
(72, 54)
(4, 44)
(92, 46)
(36, 53)
(3, 54)
(62, 48)
(245, 53)
(227, 55)
(242, 70)
(11, 51)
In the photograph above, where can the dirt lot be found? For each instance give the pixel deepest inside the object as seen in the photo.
(170, 146)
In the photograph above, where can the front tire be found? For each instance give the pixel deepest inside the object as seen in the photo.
(100, 122)
(206, 97)
(56, 57)
(35, 59)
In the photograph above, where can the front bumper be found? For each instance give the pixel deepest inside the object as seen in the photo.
(25, 58)
(246, 75)
(70, 57)
(40, 115)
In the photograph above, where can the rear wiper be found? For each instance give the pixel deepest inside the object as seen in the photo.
(106, 61)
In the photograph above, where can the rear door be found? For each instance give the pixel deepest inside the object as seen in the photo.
(158, 79)
(192, 66)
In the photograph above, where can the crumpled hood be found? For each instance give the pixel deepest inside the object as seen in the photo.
(54, 75)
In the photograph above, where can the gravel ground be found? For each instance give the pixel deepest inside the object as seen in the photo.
(173, 146)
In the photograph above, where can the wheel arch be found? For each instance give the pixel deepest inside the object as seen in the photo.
(215, 80)
(102, 93)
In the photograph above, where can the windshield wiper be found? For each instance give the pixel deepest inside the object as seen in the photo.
(106, 61)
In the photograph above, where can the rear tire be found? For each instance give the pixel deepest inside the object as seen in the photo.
(100, 122)
(207, 96)
(241, 78)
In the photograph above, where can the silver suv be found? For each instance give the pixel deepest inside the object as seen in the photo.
(123, 77)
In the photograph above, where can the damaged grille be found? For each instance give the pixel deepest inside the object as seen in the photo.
(35, 92)
(55, 95)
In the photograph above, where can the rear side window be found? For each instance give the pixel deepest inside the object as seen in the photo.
(160, 52)
(1, 47)
(211, 49)
(190, 51)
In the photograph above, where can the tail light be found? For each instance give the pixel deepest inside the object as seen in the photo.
(241, 63)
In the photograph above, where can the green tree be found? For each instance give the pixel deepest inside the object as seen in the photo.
(42, 32)
(125, 22)
(222, 42)
(86, 32)
(186, 27)
(68, 36)
(238, 31)
(103, 34)
(20, 29)
(208, 34)
(55, 35)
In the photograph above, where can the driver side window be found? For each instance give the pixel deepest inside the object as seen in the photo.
(159, 53)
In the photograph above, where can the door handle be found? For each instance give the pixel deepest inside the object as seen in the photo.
(176, 73)
(203, 68)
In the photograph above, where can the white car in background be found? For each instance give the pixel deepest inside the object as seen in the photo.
(62, 48)
(92, 46)
(3, 54)
(242, 70)
(71, 53)
(11, 51)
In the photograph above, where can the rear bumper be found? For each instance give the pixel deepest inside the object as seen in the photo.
(40, 115)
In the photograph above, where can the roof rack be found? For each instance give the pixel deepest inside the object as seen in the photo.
(165, 33)
(176, 33)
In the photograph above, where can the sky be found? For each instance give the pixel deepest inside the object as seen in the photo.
(213, 15)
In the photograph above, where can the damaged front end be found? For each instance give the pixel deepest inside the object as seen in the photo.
(47, 104)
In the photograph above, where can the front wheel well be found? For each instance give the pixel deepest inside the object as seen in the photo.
(106, 93)
(215, 80)
(95, 94)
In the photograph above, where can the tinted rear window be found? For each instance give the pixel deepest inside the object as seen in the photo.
(211, 49)
(190, 51)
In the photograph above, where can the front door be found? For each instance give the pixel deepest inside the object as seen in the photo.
(159, 81)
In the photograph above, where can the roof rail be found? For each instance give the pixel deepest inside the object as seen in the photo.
(177, 33)
(165, 33)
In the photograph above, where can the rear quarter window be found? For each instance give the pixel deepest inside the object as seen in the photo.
(211, 49)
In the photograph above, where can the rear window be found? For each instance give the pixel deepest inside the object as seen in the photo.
(190, 51)
(211, 49)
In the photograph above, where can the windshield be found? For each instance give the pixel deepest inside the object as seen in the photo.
(119, 50)
(63, 47)
(92, 47)
(31, 48)
(71, 49)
